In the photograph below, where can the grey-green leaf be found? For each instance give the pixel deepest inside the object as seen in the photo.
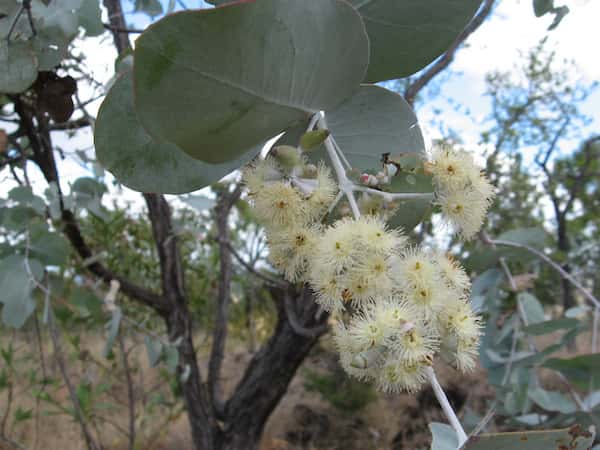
(16, 286)
(19, 66)
(552, 401)
(217, 82)
(154, 350)
(150, 7)
(410, 213)
(532, 308)
(578, 369)
(49, 247)
(574, 438)
(443, 437)
(372, 122)
(550, 326)
(407, 35)
(541, 7)
(90, 17)
(140, 162)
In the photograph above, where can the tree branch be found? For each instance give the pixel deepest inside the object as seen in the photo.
(411, 91)
(267, 279)
(82, 122)
(225, 202)
(270, 370)
(115, 29)
(117, 22)
(43, 155)
(567, 276)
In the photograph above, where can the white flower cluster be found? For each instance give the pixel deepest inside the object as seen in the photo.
(421, 311)
(404, 305)
(290, 207)
(463, 191)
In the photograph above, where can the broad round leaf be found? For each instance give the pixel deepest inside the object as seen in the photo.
(216, 82)
(407, 35)
(371, 123)
(138, 161)
(19, 66)
(410, 213)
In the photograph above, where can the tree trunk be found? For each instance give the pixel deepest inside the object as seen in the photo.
(568, 299)
(267, 378)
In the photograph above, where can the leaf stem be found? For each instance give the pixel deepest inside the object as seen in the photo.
(346, 186)
(390, 196)
(446, 407)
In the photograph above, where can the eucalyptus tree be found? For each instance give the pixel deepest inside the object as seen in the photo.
(198, 98)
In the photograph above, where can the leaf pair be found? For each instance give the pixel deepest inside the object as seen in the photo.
(217, 84)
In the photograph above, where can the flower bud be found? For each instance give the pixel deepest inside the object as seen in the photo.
(287, 156)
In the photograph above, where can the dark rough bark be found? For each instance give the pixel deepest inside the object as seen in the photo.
(201, 417)
(225, 202)
(268, 375)
(568, 299)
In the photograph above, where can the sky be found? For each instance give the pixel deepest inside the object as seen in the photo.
(512, 29)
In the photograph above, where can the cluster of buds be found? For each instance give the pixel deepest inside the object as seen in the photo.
(382, 178)
(397, 307)
(462, 189)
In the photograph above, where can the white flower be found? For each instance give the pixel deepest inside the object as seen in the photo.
(290, 249)
(464, 211)
(452, 273)
(279, 205)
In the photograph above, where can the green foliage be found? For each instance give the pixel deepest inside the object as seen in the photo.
(405, 36)
(29, 50)
(150, 7)
(17, 275)
(223, 106)
(571, 438)
(580, 370)
(410, 213)
(143, 163)
(374, 121)
(344, 393)
(443, 437)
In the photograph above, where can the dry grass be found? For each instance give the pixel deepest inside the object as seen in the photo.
(303, 420)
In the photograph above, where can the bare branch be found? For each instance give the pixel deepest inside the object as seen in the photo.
(225, 202)
(117, 22)
(567, 276)
(267, 279)
(43, 156)
(60, 360)
(130, 393)
(115, 29)
(82, 122)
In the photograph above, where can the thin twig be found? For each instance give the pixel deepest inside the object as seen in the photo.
(253, 271)
(122, 30)
(78, 412)
(587, 294)
(130, 392)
